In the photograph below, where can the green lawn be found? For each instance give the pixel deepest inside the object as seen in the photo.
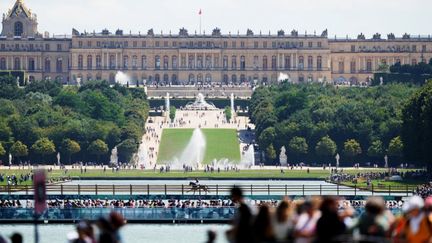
(249, 174)
(221, 144)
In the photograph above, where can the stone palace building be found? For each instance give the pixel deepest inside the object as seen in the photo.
(190, 58)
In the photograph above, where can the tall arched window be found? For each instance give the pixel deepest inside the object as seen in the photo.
(319, 63)
(135, 62)
(310, 62)
(144, 62)
(165, 62)
(157, 78)
(208, 62)
(199, 61)
(157, 62)
(234, 78)
(112, 62)
(126, 62)
(301, 63)
(287, 62)
(174, 62)
(369, 65)
(256, 62)
(273, 63)
(265, 63)
(59, 65)
(208, 78)
(166, 78)
(89, 62)
(17, 63)
(242, 63)
(191, 61)
(31, 64)
(80, 62)
(174, 79)
(225, 79)
(98, 62)
(191, 78)
(234, 62)
(242, 78)
(353, 66)
(225, 62)
(3, 63)
(199, 78)
(18, 28)
(341, 67)
(47, 65)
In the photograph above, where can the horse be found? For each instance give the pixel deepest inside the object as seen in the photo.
(195, 187)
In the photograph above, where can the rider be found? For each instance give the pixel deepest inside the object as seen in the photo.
(196, 181)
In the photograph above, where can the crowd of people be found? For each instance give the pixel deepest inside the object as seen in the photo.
(322, 219)
(424, 190)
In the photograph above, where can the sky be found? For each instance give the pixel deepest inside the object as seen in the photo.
(340, 17)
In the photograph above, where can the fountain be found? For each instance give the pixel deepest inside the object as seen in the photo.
(142, 156)
(232, 104)
(283, 159)
(167, 105)
(248, 158)
(193, 154)
(200, 104)
(58, 159)
(122, 78)
(114, 156)
(337, 160)
(10, 159)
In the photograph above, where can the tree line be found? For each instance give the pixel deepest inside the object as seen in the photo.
(314, 122)
(81, 123)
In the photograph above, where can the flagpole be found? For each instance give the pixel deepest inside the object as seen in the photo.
(200, 15)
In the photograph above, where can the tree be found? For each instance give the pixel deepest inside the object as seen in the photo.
(2, 150)
(352, 148)
(375, 149)
(271, 152)
(395, 147)
(98, 148)
(172, 112)
(70, 147)
(326, 147)
(267, 137)
(126, 149)
(228, 113)
(298, 146)
(19, 149)
(44, 146)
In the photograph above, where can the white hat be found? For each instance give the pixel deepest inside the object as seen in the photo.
(415, 202)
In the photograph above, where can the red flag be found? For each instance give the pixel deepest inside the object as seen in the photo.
(200, 12)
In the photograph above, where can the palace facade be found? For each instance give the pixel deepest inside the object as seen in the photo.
(190, 58)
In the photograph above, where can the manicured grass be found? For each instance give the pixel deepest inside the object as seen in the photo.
(249, 174)
(221, 144)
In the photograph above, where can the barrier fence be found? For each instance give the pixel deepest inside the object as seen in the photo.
(215, 190)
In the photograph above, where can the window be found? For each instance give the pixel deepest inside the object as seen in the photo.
(242, 44)
(59, 65)
(287, 62)
(89, 62)
(242, 78)
(134, 62)
(353, 67)
(301, 44)
(47, 65)
(183, 61)
(166, 78)
(199, 61)
(157, 44)
(265, 63)
(414, 48)
(199, 78)
(144, 62)
(319, 44)
(3, 63)
(424, 48)
(310, 62)
(273, 63)
(225, 44)
(47, 47)
(256, 44)
(191, 78)
(225, 79)
(157, 78)
(301, 63)
(208, 78)
(59, 47)
(112, 62)
(98, 62)
(89, 44)
(242, 63)
(310, 44)
(135, 44)
(80, 62)
(341, 67)
(369, 65)
(256, 62)
(225, 62)
(234, 62)
(80, 44)
(18, 28)
(234, 78)
(216, 62)
(31, 64)
(319, 63)
(208, 62)
(157, 62)
(233, 44)
(165, 45)
(265, 44)
(144, 44)
(174, 62)
(191, 62)
(125, 62)
(353, 49)
(165, 62)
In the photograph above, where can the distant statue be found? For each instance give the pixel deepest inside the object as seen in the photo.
(381, 81)
(249, 32)
(324, 33)
(183, 32)
(391, 36)
(216, 32)
(406, 36)
(150, 32)
(361, 36)
(294, 33)
(281, 33)
(376, 36)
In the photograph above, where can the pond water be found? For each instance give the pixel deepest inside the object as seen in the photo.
(131, 233)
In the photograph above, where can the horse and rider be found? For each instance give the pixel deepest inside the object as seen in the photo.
(195, 186)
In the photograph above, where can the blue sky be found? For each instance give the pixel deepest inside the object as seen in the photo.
(341, 17)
